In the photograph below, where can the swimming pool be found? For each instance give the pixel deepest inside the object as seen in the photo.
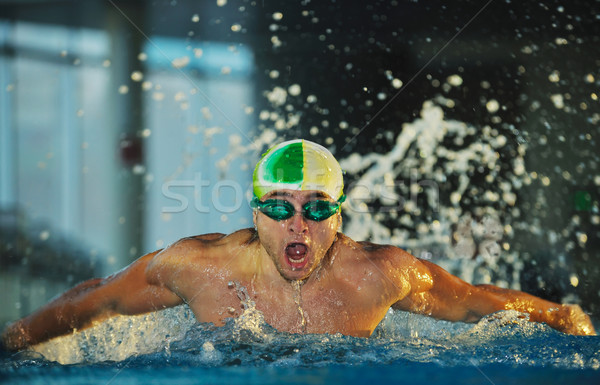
(501, 349)
(447, 114)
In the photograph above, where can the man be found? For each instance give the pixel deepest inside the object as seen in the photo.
(303, 275)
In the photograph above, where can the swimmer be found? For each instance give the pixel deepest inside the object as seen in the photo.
(345, 286)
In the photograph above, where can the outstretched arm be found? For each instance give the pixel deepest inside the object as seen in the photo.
(126, 292)
(453, 299)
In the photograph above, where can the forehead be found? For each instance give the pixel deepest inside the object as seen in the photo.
(299, 195)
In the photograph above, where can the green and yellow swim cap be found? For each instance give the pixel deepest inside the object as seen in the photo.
(298, 165)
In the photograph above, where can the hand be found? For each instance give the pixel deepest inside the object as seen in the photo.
(574, 321)
(13, 338)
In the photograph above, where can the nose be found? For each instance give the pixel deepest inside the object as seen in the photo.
(298, 224)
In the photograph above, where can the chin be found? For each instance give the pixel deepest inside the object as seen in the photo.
(295, 274)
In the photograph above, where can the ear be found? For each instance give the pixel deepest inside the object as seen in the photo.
(254, 217)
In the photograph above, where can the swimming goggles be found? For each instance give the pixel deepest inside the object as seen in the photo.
(279, 209)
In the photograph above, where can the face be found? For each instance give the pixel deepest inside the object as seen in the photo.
(296, 245)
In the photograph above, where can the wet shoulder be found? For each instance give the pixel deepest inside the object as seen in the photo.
(373, 252)
(200, 251)
(218, 240)
(392, 263)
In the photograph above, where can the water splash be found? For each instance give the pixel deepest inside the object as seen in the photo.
(120, 337)
(251, 323)
(297, 286)
(420, 195)
(402, 338)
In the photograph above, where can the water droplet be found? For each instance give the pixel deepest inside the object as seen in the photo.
(558, 101)
(454, 80)
(574, 280)
(137, 76)
(492, 106)
(554, 77)
(396, 83)
(180, 62)
(294, 90)
(275, 41)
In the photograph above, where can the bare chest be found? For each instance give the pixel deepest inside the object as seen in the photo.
(320, 308)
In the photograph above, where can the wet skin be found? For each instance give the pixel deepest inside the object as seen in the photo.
(345, 286)
(349, 294)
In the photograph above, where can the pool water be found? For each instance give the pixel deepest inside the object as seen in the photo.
(503, 348)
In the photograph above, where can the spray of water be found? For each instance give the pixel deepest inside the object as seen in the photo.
(420, 195)
(297, 286)
(120, 337)
(252, 320)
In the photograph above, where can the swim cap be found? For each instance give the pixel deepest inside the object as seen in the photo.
(298, 165)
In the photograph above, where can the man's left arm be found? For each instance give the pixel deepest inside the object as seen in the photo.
(453, 299)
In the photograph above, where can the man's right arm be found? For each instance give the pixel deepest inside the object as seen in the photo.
(127, 292)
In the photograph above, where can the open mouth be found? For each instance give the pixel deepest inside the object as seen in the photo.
(296, 255)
